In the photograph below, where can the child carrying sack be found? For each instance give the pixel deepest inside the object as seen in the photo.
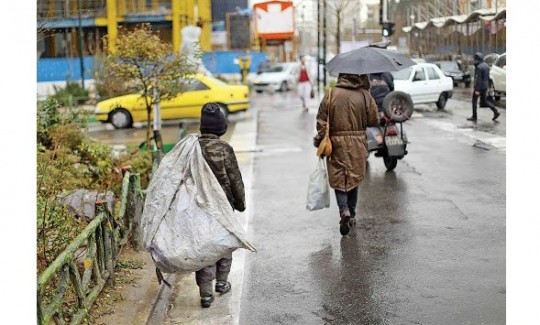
(318, 196)
(187, 222)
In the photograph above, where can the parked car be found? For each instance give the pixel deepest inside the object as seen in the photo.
(278, 77)
(453, 70)
(497, 78)
(122, 111)
(491, 58)
(426, 83)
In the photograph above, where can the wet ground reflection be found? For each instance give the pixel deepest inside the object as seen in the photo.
(356, 282)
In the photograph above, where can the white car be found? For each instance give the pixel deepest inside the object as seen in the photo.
(426, 83)
(497, 78)
(278, 77)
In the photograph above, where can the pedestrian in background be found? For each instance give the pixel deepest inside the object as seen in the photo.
(222, 161)
(481, 84)
(352, 109)
(305, 82)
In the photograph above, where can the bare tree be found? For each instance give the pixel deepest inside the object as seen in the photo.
(339, 10)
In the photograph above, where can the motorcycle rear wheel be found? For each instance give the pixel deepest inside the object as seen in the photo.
(390, 162)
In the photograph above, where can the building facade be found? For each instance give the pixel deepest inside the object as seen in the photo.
(58, 22)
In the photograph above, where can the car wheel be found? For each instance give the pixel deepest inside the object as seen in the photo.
(258, 91)
(390, 162)
(120, 118)
(441, 103)
(467, 84)
(398, 106)
(283, 87)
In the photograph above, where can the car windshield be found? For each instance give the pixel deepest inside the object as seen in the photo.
(448, 65)
(276, 68)
(402, 74)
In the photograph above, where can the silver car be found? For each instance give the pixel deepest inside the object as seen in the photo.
(278, 77)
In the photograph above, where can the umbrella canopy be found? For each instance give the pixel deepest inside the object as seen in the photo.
(367, 60)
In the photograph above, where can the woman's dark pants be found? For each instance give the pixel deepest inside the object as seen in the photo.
(347, 201)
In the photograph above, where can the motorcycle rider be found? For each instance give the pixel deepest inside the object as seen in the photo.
(381, 84)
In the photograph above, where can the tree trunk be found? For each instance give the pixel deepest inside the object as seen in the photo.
(338, 34)
(148, 127)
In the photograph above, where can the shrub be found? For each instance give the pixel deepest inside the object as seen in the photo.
(68, 160)
(71, 95)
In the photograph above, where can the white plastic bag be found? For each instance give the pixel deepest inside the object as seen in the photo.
(187, 222)
(318, 196)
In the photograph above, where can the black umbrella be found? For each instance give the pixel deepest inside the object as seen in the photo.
(367, 60)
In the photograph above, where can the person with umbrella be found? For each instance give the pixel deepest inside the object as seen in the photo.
(349, 109)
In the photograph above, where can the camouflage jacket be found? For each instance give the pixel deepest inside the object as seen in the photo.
(221, 158)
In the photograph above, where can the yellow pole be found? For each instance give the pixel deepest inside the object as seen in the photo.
(122, 8)
(112, 26)
(205, 13)
(155, 5)
(51, 7)
(188, 11)
(176, 25)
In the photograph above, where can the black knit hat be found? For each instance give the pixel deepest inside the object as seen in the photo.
(212, 120)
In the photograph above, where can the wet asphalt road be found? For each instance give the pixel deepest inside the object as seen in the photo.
(429, 246)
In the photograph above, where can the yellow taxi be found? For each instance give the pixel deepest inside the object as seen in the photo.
(122, 111)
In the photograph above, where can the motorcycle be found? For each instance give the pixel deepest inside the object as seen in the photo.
(389, 141)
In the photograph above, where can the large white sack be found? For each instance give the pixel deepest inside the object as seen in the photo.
(187, 222)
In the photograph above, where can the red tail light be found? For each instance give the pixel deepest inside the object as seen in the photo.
(391, 130)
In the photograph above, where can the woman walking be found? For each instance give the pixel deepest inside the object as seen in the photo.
(349, 110)
(304, 83)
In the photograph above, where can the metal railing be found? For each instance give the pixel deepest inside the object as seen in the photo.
(101, 242)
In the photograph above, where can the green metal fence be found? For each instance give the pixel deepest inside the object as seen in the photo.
(101, 242)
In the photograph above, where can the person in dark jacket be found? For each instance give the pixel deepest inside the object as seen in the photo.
(222, 161)
(352, 110)
(381, 84)
(481, 84)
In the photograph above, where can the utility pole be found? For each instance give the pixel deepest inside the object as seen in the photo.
(354, 33)
(385, 16)
(324, 42)
(80, 37)
(318, 45)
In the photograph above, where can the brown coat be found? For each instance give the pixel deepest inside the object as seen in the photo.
(353, 110)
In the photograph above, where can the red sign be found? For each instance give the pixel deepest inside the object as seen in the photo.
(274, 19)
